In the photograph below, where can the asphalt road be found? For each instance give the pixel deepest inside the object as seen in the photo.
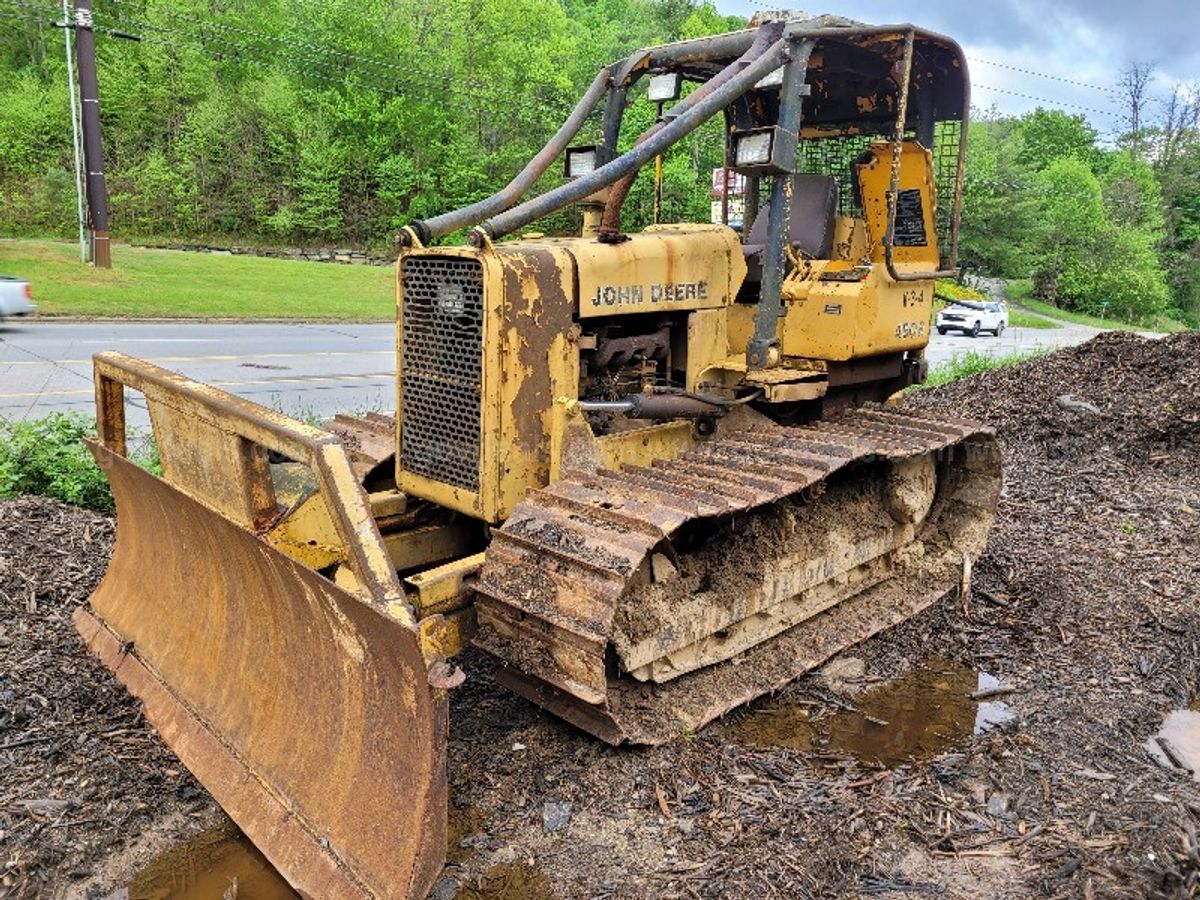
(300, 369)
(942, 348)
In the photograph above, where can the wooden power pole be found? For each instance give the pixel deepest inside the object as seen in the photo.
(93, 149)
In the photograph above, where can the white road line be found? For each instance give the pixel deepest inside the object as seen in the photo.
(111, 341)
(212, 358)
(298, 379)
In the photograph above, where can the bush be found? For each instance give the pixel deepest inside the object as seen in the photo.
(47, 457)
(945, 289)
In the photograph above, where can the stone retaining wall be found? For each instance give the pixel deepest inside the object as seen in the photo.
(343, 256)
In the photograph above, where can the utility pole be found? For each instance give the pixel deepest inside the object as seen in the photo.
(76, 149)
(93, 150)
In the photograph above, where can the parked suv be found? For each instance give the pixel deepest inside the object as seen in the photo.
(971, 317)
(16, 297)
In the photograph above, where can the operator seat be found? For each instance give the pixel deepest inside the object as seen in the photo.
(810, 230)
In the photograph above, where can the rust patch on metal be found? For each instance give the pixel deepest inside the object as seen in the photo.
(305, 711)
(538, 311)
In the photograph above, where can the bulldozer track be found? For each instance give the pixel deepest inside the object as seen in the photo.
(558, 570)
(369, 440)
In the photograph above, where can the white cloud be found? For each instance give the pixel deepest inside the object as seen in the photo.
(1056, 43)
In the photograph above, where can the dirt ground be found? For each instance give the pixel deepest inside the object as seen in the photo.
(81, 773)
(1084, 609)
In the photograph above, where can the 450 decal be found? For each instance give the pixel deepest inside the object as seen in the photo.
(911, 329)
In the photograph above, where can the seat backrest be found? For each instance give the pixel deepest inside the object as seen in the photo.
(814, 209)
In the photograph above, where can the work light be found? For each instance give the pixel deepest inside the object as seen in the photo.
(763, 151)
(579, 161)
(753, 148)
(665, 86)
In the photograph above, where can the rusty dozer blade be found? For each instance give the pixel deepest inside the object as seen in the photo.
(304, 706)
(646, 603)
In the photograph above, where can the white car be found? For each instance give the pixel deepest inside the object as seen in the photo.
(16, 297)
(973, 316)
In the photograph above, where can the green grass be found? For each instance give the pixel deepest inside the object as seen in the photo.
(171, 283)
(1020, 290)
(975, 363)
(1018, 318)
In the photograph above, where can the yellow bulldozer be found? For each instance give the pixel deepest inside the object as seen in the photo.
(620, 464)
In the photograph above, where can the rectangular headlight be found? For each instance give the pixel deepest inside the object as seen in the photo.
(664, 87)
(763, 151)
(753, 148)
(579, 161)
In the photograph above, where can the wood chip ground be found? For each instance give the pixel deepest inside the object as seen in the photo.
(1085, 602)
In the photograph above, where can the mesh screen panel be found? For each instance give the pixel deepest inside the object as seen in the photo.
(945, 170)
(441, 343)
(835, 156)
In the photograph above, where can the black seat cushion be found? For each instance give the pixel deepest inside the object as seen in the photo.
(810, 231)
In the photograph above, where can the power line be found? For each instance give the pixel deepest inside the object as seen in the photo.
(436, 86)
(1053, 103)
(23, 17)
(415, 86)
(299, 51)
(1032, 190)
(1037, 74)
(26, 15)
(32, 15)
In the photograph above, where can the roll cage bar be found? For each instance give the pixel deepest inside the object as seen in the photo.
(839, 78)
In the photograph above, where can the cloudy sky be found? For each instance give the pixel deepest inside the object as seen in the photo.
(1072, 51)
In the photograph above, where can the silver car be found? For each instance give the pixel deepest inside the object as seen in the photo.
(16, 297)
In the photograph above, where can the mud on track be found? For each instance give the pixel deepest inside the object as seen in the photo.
(1086, 604)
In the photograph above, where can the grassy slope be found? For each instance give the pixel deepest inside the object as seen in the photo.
(973, 363)
(1021, 291)
(170, 283)
(1018, 318)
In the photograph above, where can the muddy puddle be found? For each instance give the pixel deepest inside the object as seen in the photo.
(1177, 743)
(218, 864)
(222, 864)
(512, 880)
(928, 711)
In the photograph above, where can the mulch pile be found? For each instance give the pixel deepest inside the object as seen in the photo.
(81, 773)
(1085, 604)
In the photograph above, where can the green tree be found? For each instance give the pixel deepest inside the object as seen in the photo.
(1048, 135)
(1000, 212)
(1090, 261)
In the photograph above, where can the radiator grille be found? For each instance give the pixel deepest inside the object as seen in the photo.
(441, 345)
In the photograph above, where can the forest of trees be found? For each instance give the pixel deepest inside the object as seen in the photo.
(1112, 230)
(319, 122)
